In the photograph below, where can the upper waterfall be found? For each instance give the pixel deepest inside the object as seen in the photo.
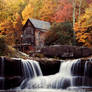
(31, 68)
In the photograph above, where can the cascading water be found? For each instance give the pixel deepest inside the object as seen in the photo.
(72, 74)
(2, 79)
(31, 69)
(67, 76)
(65, 70)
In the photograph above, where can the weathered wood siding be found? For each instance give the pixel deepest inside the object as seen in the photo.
(29, 34)
(39, 38)
(33, 37)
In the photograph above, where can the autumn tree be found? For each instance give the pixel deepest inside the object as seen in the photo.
(9, 8)
(17, 27)
(83, 28)
(13, 11)
(7, 30)
(48, 9)
(3, 10)
(12, 29)
(63, 12)
(32, 10)
(40, 9)
(11, 23)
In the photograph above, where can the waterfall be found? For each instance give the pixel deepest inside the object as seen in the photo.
(2, 78)
(31, 69)
(59, 80)
(72, 74)
(67, 76)
(66, 71)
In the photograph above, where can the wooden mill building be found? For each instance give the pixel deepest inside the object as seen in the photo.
(33, 34)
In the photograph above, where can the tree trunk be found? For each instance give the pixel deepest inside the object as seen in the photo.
(80, 10)
(74, 11)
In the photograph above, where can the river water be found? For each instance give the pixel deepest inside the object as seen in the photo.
(63, 81)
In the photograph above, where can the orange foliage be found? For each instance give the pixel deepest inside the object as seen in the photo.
(12, 30)
(64, 11)
(83, 28)
(48, 10)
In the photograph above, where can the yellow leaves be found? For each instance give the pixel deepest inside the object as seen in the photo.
(89, 10)
(47, 10)
(84, 36)
(83, 27)
(11, 30)
(82, 40)
(27, 13)
(85, 20)
(78, 35)
(10, 19)
(39, 9)
(32, 10)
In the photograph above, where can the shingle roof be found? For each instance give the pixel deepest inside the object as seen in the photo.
(40, 24)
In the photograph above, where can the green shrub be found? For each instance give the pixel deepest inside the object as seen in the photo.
(60, 33)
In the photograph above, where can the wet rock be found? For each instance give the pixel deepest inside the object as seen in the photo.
(77, 81)
(11, 73)
(66, 84)
(87, 81)
(12, 82)
(82, 68)
(77, 69)
(66, 51)
(12, 67)
(49, 67)
(81, 81)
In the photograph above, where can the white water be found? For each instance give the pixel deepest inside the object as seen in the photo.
(2, 78)
(31, 69)
(62, 80)
(34, 79)
(65, 70)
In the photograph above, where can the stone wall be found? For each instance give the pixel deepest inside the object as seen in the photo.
(66, 51)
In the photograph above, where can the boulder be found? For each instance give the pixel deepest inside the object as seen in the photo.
(12, 82)
(11, 74)
(66, 51)
(49, 67)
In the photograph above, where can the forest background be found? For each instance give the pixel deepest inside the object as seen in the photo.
(71, 20)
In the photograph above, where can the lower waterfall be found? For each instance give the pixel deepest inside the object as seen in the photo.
(69, 75)
(2, 78)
